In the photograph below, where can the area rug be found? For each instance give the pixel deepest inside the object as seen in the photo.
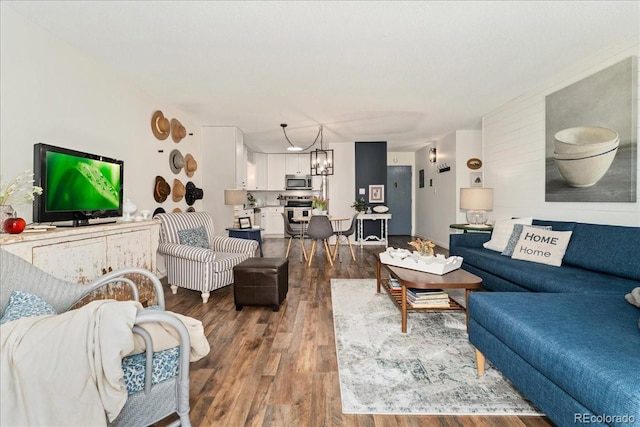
(429, 370)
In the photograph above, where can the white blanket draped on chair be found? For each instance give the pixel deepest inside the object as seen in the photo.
(66, 369)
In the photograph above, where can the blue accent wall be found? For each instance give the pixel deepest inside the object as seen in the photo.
(371, 169)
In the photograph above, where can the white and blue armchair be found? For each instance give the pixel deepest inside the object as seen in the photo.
(197, 259)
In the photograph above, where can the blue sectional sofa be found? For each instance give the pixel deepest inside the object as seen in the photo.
(565, 336)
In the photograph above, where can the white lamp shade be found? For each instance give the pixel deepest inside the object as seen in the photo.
(235, 197)
(476, 198)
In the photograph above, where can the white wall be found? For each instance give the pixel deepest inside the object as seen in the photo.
(50, 93)
(343, 181)
(514, 151)
(468, 146)
(437, 205)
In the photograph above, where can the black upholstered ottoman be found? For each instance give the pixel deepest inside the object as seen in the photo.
(261, 282)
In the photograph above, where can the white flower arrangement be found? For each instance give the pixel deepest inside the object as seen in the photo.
(19, 190)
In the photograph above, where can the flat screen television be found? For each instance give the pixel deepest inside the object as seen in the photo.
(76, 186)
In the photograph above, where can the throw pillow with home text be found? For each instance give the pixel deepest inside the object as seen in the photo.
(542, 246)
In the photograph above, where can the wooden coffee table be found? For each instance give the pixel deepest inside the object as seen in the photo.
(456, 279)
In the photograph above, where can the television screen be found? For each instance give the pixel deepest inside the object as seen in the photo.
(77, 186)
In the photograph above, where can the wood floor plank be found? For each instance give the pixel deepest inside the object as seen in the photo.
(280, 369)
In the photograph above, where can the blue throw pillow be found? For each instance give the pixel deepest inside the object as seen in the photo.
(515, 236)
(194, 237)
(22, 304)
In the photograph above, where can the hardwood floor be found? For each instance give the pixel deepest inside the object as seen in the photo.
(279, 369)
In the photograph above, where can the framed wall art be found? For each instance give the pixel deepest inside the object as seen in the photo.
(376, 194)
(476, 179)
(591, 137)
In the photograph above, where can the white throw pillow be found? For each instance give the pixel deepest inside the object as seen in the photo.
(502, 230)
(543, 246)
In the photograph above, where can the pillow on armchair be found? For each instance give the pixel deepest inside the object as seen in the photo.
(22, 304)
(194, 237)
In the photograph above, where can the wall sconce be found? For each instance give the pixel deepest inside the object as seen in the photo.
(432, 155)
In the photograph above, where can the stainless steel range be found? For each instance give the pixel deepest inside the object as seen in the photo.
(297, 207)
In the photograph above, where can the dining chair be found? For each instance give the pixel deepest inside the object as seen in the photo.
(346, 233)
(320, 229)
(293, 234)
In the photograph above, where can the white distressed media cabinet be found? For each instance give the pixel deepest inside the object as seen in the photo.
(81, 254)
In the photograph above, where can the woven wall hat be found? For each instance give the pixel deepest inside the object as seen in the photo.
(193, 193)
(176, 161)
(178, 190)
(158, 211)
(177, 131)
(176, 210)
(160, 125)
(190, 165)
(161, 189)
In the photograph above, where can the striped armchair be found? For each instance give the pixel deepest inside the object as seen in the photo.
(199, 268)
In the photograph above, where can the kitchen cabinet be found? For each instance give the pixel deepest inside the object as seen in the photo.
(297, 164)
(240, 160)
(83, 254)
(272, 221)
(276, 171)
(219, 170)
(256, 171)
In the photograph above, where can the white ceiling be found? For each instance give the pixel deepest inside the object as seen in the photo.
(402, 72)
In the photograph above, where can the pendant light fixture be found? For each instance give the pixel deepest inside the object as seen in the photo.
(294, 147)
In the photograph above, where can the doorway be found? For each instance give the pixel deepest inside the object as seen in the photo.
(399, 200)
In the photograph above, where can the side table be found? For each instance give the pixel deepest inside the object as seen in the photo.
(248, 234)
(471, 227)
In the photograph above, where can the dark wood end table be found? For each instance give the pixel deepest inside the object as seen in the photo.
(248, 234)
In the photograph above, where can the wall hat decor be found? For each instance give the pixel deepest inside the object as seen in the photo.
(176, 210)
(176, 161)
(190, 165)
(160, 125)
(191, 209)
(161, 190)
(178, 191)
(193, 193)
(158, 211)
(177, 131)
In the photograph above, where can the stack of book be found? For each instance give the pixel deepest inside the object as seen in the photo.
(394, 285)
(427, 298)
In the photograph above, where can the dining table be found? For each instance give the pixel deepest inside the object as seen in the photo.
(336, 223)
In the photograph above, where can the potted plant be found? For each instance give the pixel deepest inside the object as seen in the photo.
(320, 205)
(360, 205)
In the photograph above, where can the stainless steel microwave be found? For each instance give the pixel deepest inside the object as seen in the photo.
(298, 182)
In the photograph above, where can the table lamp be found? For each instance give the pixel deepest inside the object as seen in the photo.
(476, 201)
(235, 198)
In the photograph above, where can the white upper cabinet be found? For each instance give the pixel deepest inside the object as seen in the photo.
(298, 164)
(276, 170)
(241, 160)
(256, 171)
